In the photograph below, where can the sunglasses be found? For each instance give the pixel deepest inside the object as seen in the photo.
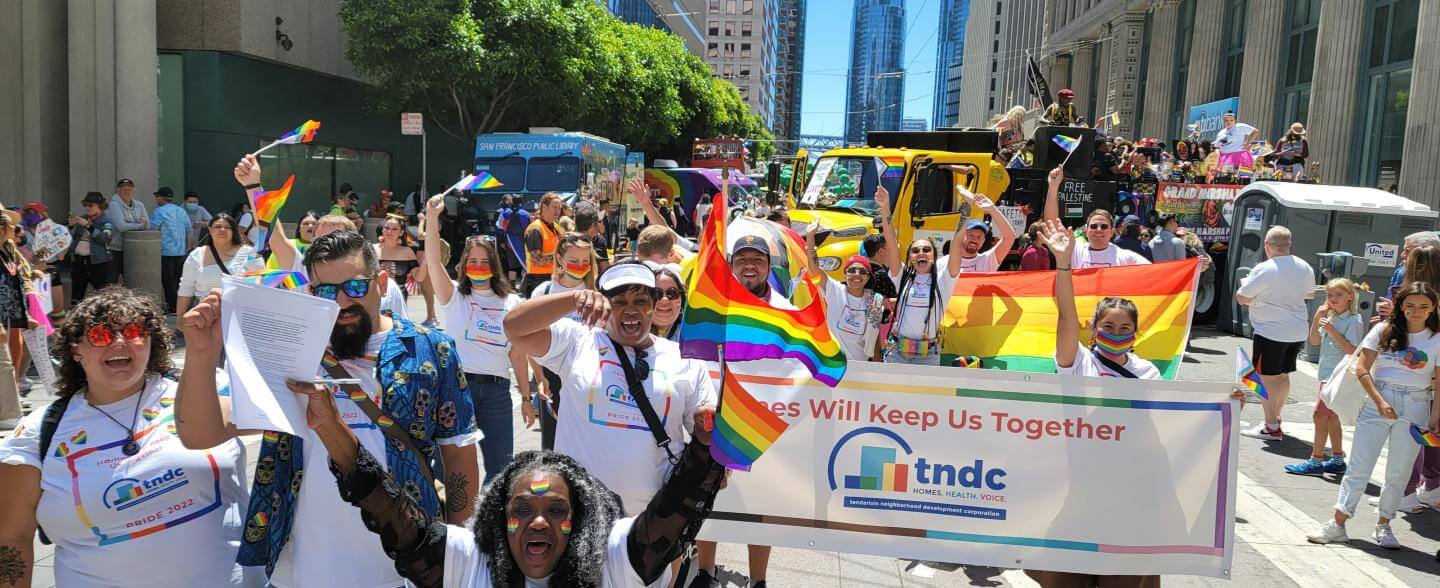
(922, 249)
(857, 270)
(102, 335)
(1099, 227)
(670, 294)
(355, 289)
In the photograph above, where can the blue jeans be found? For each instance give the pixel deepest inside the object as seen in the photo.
(932, 359)
(1372, 431)
(494, 416)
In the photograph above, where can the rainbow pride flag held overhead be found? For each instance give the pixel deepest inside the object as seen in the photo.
(1067, 143)
(1246, 376)
(304, 133)
(1425, 437)
(266, 206)
(1007, 319)
(482, 181)
(723, 312)
(276, 278)
(726, 322)
(1111, 119)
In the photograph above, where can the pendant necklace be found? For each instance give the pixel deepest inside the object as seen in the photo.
(130, 447)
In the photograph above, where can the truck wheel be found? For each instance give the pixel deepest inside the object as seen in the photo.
(1205, 298)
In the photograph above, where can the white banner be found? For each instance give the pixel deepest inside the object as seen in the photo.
(1006, 469)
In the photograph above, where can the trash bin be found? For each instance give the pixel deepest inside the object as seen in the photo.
(371, 230)
(142, 262)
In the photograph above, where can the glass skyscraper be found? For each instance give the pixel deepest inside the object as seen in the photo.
(875, 98)
(948, 58)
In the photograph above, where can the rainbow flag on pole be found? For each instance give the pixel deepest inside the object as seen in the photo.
(304, 133)
(481, 181)
(1246, 376)
(726, 322)
(1067, 143)
(267, 207)
(275, 278)
(1007, 319)
(1425, 437)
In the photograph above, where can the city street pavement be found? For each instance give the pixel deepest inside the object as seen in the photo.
(1274, 512)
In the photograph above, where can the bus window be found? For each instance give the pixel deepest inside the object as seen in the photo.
(554, 174)
(510, 171)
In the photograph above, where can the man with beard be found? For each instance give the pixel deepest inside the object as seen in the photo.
(423, 414)
(970, 259)
(1099, 230)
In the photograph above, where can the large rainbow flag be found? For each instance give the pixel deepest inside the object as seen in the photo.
(723, 314)
(1007, 319)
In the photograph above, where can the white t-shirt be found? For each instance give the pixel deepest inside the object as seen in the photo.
(467, 567)
(329, 545)
(1279, 286)
(476, 322)
(166, 516)
(599, 423)
(554, 287)
(197, 281)
(983, 262)
(1086, 364)
(1083, 257)
(1232, 140)
(1414, 366)
(912, 310)
(851, 320)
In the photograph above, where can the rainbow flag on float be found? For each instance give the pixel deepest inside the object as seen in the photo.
(725, 322)
(1007, 319)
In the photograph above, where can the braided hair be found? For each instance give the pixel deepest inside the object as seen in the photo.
(594, 510)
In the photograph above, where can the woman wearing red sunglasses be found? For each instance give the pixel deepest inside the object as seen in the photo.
(103, 471)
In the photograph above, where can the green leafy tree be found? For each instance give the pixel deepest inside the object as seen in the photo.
(479, 66)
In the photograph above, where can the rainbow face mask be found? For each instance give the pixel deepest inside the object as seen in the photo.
(479, 274)
(1114, 347)
(577, 270)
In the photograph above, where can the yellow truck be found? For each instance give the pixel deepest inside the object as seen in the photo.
(841, 190)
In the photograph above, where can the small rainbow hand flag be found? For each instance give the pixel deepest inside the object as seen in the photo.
(1425, 437)
(1246, 375)
(304, 133)
(1245, 172)
(1067, 143)
(276, 278)
(267, 207)
(1112, 119)
(481, 181)
(1260, 148)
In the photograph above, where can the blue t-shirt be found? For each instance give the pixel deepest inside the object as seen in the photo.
(174, 224)
(1347, 324)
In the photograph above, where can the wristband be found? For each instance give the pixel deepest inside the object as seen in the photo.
(251, 186)
(1062, 269)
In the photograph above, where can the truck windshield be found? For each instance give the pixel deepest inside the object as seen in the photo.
(849, 182)
(509, 170)
(554, 174)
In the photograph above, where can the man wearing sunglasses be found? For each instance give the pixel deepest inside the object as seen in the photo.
(1099, 230)
(410, 408)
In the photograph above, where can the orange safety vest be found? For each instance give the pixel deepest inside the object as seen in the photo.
(549, 242)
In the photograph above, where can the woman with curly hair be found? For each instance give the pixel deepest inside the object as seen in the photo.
(109, 443)
(544, 520)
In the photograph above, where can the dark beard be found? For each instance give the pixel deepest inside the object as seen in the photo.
(348, 341)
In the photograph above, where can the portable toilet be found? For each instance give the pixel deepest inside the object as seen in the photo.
(1366, 222)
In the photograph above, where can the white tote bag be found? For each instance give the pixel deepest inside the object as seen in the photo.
(1343, 393)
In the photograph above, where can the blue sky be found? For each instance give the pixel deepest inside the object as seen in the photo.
(827, 57)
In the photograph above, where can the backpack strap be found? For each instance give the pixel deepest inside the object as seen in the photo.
(53, 413)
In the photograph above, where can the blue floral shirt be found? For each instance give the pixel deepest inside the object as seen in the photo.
(423, 392)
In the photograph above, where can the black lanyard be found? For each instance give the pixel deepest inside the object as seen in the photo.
(635, 381)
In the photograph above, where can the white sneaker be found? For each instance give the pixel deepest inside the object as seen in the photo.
(1264, 431)
(1330, 532)
(1411, 503)
(1375, 501)
(1430, 497)
(1384, 537)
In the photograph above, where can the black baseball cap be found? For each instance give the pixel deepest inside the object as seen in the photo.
(93, 198)
(125, 182)
(345, 188)
(750, 242)
(165, 192)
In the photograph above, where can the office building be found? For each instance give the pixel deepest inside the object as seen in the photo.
(914, 124)
(949, 57)
(874, 100)
(790, 65)
(1373, 109)
(998, 38)
(741, 46)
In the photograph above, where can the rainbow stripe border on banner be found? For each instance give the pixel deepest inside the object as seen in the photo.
(1222, 497)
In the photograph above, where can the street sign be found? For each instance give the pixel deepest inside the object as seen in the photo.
(412, 123)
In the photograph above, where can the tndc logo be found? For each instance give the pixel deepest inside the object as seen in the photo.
(883, 461)
(127, 492)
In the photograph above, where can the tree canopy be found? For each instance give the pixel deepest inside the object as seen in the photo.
(480, 66)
